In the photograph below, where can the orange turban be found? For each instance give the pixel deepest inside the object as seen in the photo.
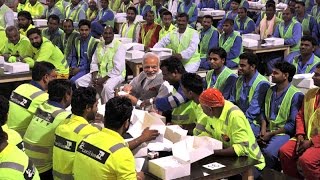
(212, 97)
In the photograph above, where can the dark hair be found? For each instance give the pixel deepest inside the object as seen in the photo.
(150, 11)
(237, 1)
(58, 88)
(165, 13)
(173, 64)
(40, 69)
(292, 11)
(245, 9)
(271, 4)
(26, 14)
(230, 21)
(318, 65)
(286, 67)
(84, 22)
(219, 51)
(3, 135)
(301, 3)
(252, 58)
(68, 20)
(54, 17)
(133, 9)
(180, 15)
(83, 98)
(192, 82)
(4, 108)
(208, 17)
(310, 39)
(34, 31)
(118, 111)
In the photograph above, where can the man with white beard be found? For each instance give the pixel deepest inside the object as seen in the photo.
(148, 84)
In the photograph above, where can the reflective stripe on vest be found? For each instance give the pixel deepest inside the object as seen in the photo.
(221, 79)
(28, 174)
(237, 21)
(184, 113)
(289, 34)
(228, 44)
(205, 41)
(62, 176)
(35, 148)
(311, 116)
(191, 9)
(131, 33)
(305, 23)
(22, 101)
(146, 36)
(254, 147)
(79, 128)
(74, 15)
(90, 49)
(316, 60)
(12, 165)
(284, 109)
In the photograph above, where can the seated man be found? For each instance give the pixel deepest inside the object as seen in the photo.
(307, 61)
(149, 33)
(68, 37)
(167, 24)
(242, 3)
(291, 31)
(231, 42)
(6, 15)
(92, 11)
(131, 28)
(228, 124)
(209, 38)
(75, 12)
(125, 4)
(104, 18)
(243, 24)
(13, 136)
(26, 98)
(184, 44)
(35, 8)
(206, 4)
(232, 14)
(148, 84)
(53, 32)
(82, 51)
(309, 24)
(302, 152)
(143, 8)
(315, 11)
(114, 5)
(25, 22)
(39, 136)
(53, 8)
(44, 50)
(107, 69)
(282, 104)
(220, 77)
(17, 47)
(250, 90)
(190, 8)
(157, 8)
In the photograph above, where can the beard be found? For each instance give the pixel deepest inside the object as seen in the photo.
(91, 116)
(152, 77)
(36, 44)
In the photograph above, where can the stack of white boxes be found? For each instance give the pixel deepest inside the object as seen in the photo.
(40, 22)
(250, 40)
(163, 53)
(120, 18)
(16, 67)
(273, 41)
(135, 52)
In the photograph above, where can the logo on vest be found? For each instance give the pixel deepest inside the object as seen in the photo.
(20, 100)
(93, 152)
(30, 171)
(65, 144)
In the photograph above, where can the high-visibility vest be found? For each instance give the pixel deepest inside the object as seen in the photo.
(4, 8)
(68, 42)
(90, 49)
(35, 10)
(179, 46)
(311, 116)
(39, 137)
(104, 155)
(289, 34)
(131, 32)
(15, 164)
(222, 4)
(305, 23)
(67, 137)
(163, 32)
(316, 61)
(205, 41)
(146, 36)
(233, 124)
(237, 21)
(228, 44)
(190, 11)
(59, 5)
(91, 14)
(74, 15)
(105, 57)
(24, 32)
(140, 11)
(314, 11)
(184, 113)
(284, 110)
(14, 137)
(24, 101)
(114, 5)
(157, 17)
(107, 22)
(22, 48)
(202, 120)
(221, 79)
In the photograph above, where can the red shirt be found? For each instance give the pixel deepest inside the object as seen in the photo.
(154, 37)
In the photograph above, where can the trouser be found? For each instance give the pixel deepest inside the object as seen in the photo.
(192, 67)
(77, 76)
(46, 175)
(204, 64)
(107, 91)
(271, 151)
(308, 162)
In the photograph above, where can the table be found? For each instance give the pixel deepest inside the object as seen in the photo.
(135, 66)
(7, 78)
(234, 166)
(265, 49)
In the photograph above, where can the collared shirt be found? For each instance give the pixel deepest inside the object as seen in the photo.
(105, 15)
(36, 84)
(301, 69)
(186, 8)
(163, 104)
(119, 63)
(206, 4)
(8, 17)
(275, 103)
(163, 32)
(214, 40)
(55, 104)
(154, 38)
(296, 33)
(127, 28)
(54, 10)
(143, 10)
(251, 109)
(84, 61)
(235, 51)
(249, 29)
(228, 15)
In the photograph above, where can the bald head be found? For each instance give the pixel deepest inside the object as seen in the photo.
(13, 34)
(151, 63)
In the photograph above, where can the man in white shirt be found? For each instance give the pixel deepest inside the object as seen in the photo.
(131, 29)
(107, 69)
(6, 15)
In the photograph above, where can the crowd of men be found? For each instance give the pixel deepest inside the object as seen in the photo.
(275, 124)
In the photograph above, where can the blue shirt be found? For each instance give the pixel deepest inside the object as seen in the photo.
(275, 103)
(235, 51)
(105, 15)
(172, 101)
(84, 64)
(312, 29)
(245, 5)
(251, 109)
(296, 33)
(228, 15)
(36, 84)
(143, 11)
(249, 29)
(214, 40)
(301, 69)
(186, 8)
(309, 6)
(55, 104)
(206, 4)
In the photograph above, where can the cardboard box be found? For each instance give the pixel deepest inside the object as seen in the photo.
(134, 46)
(134, 54)
(16, 67)
(274, 41)
(175, 133)
(40, 22)
(169, 168)
(249, 42)
(251, 36)
(303, 81)
(194, 148)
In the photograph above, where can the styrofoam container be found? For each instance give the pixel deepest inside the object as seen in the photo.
(163, 53)
(120, 19)
(134, 54)
(274, 41)
(218, 13)
(251, 36)
(249, 42)
(16, 67)
(303, 81)
(40, 22)
(125, 40)
(169, 168)
(134, 46)
(139, 18)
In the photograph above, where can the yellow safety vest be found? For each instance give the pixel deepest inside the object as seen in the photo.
(202, 120)
(289, 34)
(163, 32)
(90, 50)
(3, 9)
(146, 36)
(22, 105)
(39, 136)
(74, 15)
(22, 32)
(228, 44)
(311, 116)
(35, 10)
(131, 32)
(221, 79)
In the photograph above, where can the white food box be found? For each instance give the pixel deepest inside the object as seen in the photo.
(40, 22)
(120, 19)
(134, 54)
(251, 36)
(163, 53)
(140, 151)
(169, 168)
(134, 46)
(117, 15)
(303, 81)
(204, 13)
(274, 41)
(281, 6)
(139, 18)
(255, 5)
(16, 67)
(125, 40)
(249, 42)
(163, 118)
(175, 133)
(194, 148)
(218, 13)
(117, 36)
(1, 60)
